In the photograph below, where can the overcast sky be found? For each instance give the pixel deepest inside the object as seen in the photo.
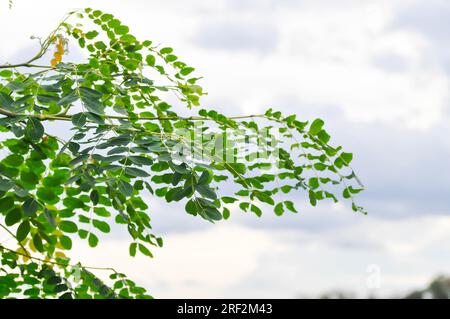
(377, 71)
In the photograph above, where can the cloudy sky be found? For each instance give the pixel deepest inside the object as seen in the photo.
(377, 71)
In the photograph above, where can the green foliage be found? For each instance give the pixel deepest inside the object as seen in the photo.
(125, 147)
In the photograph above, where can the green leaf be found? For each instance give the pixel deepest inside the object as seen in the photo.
(29, 178)
(96, 118)
(265, 198)
(100, 45)
(205, 178)
(16, 86)
(316, 126)
(101, 225)
(73, 203)
(60, 288)
(22, 101)
(6, 204)
(49, 217)
(68, 226)
(338, 162)
(14, 216)
(166, 50)
(118, 150)
(150, 59)
(125, 188)
(23, 230)
(205, 191)
(92, 240)
(244, 206)
(256, 210)
(320, 166)
(102, 212)
(132, 249)
(229, 200)
(66, 242)
(78, 159)
(177, 193)
(144, 250)
(91, 34)
(121, 29)
(69, 98)
(54, 280)
(79, 120)
(240, 168)
(176, 178)
(90, 93)
(37, 241)
(323, 136)
(140, 160)
(30, 207)
(213, 213)
(279, 209)
(52, 181)
(13, 160)
(6, 101)
(5, 185)
(346, 158)
(93, 106)
(187, 71)
(191, 207)
(290, 205)
(34, 129)
(94, 196)
(6, 73)
(67, 295)
(226, 213)
(90, 99)
(346, 193)
(135, 172)
(171, 58)
(47, 99)
(83, 233)
(313, 183)
(312, 198)
(113, 158)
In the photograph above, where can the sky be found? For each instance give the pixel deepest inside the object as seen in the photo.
(377, 72)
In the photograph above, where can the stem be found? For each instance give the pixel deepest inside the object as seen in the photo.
(26, 253)
(26, 64)
(55, 262)
(68, 117)
(44, 47)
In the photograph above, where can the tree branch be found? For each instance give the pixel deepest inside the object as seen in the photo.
(28, 65)
(26, 253)
(68, 117)
(55, 262)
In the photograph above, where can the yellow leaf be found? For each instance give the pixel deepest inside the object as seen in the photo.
(60, 254)
(31, 245)
(23, 253)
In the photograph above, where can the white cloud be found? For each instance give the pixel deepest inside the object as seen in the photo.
(197, 264)
(237, 35)
(228, 260)
(325, 54)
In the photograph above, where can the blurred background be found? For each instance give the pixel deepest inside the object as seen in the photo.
(377, 72)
